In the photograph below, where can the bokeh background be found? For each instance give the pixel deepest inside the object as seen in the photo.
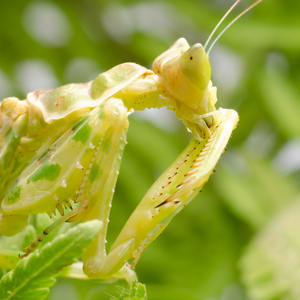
(240, 238)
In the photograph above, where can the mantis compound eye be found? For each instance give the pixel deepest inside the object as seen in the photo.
(195, 66)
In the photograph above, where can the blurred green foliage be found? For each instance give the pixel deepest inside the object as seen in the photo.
(255, 66)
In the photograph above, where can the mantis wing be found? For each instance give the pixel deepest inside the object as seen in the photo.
(70, 100)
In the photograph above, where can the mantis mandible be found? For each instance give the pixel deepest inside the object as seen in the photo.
(61, 149)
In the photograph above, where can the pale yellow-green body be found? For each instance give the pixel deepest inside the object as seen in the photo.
(62, 149)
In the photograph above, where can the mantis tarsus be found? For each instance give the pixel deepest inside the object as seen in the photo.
(61, 150)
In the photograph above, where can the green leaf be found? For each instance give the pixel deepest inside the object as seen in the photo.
(34, 274)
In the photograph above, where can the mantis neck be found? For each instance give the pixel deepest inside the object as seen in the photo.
(149, 92)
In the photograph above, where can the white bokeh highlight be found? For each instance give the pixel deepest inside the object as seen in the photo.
(47, 24)
(35, 74)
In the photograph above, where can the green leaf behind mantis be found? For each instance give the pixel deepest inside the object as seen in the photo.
(33, 275)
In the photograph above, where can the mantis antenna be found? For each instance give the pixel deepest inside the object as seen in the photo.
(233, 21)
(220, 22)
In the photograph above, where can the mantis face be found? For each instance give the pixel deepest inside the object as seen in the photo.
(186, 74)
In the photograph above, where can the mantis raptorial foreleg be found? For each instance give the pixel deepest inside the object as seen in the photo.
(93, 161)
(174, 189)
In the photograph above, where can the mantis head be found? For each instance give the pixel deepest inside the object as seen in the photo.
(186, 73)
(186, 70)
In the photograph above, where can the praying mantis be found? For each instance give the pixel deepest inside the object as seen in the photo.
(61, 150)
